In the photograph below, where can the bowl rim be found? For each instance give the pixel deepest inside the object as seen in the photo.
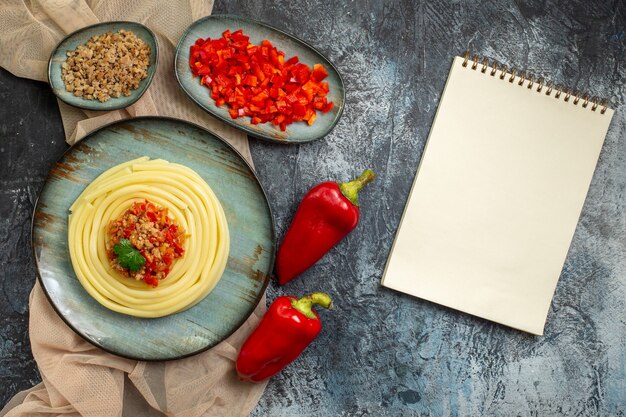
(262, 289)
(245, 127)
(86, 106)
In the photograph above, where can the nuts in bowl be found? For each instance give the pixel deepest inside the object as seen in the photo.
(106, 66)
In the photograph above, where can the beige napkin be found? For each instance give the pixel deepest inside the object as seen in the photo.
(78, 378)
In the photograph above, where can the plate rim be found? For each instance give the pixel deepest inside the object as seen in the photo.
(244, 128)
(95, 343)
(151, 74)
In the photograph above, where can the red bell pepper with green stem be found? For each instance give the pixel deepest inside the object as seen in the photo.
(287, 328)
(327, 213)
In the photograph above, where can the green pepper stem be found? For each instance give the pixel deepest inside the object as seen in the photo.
(305, 304)
(351, 189)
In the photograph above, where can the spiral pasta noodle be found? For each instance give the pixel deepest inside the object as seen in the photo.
(193, 205)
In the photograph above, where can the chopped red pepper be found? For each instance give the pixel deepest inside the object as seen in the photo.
(256, 80)
(319, 72)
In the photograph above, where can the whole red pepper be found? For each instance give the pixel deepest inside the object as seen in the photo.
(287, 328)
(327, 213)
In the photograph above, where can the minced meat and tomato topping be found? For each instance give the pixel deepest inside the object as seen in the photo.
(144, 242)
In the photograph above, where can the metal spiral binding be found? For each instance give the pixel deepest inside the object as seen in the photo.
(530, 81)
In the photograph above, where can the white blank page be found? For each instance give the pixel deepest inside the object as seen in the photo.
(496, 198)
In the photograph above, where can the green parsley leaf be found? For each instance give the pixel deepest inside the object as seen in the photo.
(128, 256)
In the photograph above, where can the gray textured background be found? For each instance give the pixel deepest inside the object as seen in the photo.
(382, 353)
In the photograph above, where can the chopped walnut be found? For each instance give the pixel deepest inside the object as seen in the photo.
(109, 65)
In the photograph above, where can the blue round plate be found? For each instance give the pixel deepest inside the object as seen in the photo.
(299, 132)
(80, 37)
(249, 218)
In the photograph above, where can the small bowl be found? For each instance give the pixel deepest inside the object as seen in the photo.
(298, 132)
(80, 37)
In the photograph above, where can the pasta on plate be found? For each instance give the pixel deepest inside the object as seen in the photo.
(190, 201)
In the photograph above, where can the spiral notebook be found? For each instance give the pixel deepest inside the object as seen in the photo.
(498, 194)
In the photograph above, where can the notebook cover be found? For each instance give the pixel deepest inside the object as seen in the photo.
(496, 198)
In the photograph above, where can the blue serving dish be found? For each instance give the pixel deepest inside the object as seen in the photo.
(80, 37)
(298, 132)
(250, 223)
